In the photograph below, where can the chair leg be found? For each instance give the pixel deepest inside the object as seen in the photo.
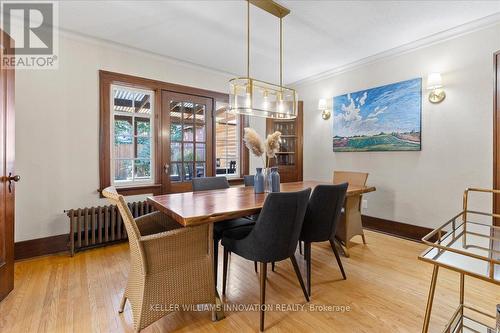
(272, 266)
(336, 253)
(299, 276)
(255, 266)
(364, 240)
(307, 255)
(263, 276)
(122, 303)
(224, 271)
(216, 261)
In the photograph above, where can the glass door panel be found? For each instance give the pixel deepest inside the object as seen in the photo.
(188, 122)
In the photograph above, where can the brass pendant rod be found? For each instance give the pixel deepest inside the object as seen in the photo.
(281, 52)
(248, 38)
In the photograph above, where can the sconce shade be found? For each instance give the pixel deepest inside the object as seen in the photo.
(322, 104)
(252, 97)
(434, 81)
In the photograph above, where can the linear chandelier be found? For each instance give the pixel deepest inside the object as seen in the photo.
(252, 97)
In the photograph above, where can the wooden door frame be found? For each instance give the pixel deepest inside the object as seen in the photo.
(496, 133)
(7, 198)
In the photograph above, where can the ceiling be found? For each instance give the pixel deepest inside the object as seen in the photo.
(318, 35)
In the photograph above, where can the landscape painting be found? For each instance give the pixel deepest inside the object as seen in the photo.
(386, 118)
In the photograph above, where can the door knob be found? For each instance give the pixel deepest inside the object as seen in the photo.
(11, 178)
(15, 178)
(166, 167)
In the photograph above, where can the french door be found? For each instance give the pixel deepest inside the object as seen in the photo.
(188, 140)
(7, 175)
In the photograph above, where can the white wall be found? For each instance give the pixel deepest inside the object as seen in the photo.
(422, 188)
(57, 127)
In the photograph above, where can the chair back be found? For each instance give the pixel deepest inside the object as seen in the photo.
(248, 180)
(210, 183)
(128, 220)
(323, 213)
(277, 230)
(353, 178)
(133, 233)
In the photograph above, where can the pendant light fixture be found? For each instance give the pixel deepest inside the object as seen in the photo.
(252, 97)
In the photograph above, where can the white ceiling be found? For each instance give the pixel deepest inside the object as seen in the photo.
(318, 35)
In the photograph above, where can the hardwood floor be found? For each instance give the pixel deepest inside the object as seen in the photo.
(386, 290)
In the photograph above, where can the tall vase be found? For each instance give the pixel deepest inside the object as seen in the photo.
(259, 178)
(275, 180)
(267, 180)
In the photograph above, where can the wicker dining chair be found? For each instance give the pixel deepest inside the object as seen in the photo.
(159, 275)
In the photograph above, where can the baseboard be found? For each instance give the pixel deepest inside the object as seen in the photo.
(59, 243)
(398, 229)
(40, 246)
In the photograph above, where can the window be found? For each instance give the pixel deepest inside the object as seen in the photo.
(132, 160)
(227, 139)
(155, 137)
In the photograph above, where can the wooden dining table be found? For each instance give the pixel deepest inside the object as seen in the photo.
(192, 209)
(196, 208)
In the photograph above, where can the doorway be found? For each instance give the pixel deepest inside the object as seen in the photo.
(189, 146)
(8, 178)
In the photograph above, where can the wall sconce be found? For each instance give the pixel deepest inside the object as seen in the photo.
(325, 113)
(435, 84)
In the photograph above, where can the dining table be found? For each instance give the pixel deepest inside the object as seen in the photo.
(201, 207)
(191, 209)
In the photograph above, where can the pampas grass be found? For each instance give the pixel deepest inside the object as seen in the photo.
(268, 148)
(272, 144)
(253, 142)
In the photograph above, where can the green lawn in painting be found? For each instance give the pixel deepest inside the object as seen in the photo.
(379, 142)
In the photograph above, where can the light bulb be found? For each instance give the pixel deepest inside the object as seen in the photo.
(248, 100)
(281, 105)
(265, 103)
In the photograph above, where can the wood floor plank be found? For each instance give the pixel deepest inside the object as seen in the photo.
(386, 290)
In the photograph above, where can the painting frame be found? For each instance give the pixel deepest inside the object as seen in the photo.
(384, 118)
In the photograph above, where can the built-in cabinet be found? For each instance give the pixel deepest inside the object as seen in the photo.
(289, 158)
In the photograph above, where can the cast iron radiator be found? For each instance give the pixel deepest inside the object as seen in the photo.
(101, 225)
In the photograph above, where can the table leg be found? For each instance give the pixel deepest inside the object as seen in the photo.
(430, 299)
(218, 311)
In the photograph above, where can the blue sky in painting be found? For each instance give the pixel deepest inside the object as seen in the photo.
(391, 108)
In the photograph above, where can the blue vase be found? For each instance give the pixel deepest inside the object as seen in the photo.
(258, 185)
(275, 180)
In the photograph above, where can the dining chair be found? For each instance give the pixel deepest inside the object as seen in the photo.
(159, 251)
(320, 222)
(248, 180)
(273, 238)
(350, 224)
(219, 183)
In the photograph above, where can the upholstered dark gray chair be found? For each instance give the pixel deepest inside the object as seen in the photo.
(273, 238)
(218, 183)
(248, 180)
(321, 220)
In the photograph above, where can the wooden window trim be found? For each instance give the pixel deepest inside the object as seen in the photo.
(106, 79)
